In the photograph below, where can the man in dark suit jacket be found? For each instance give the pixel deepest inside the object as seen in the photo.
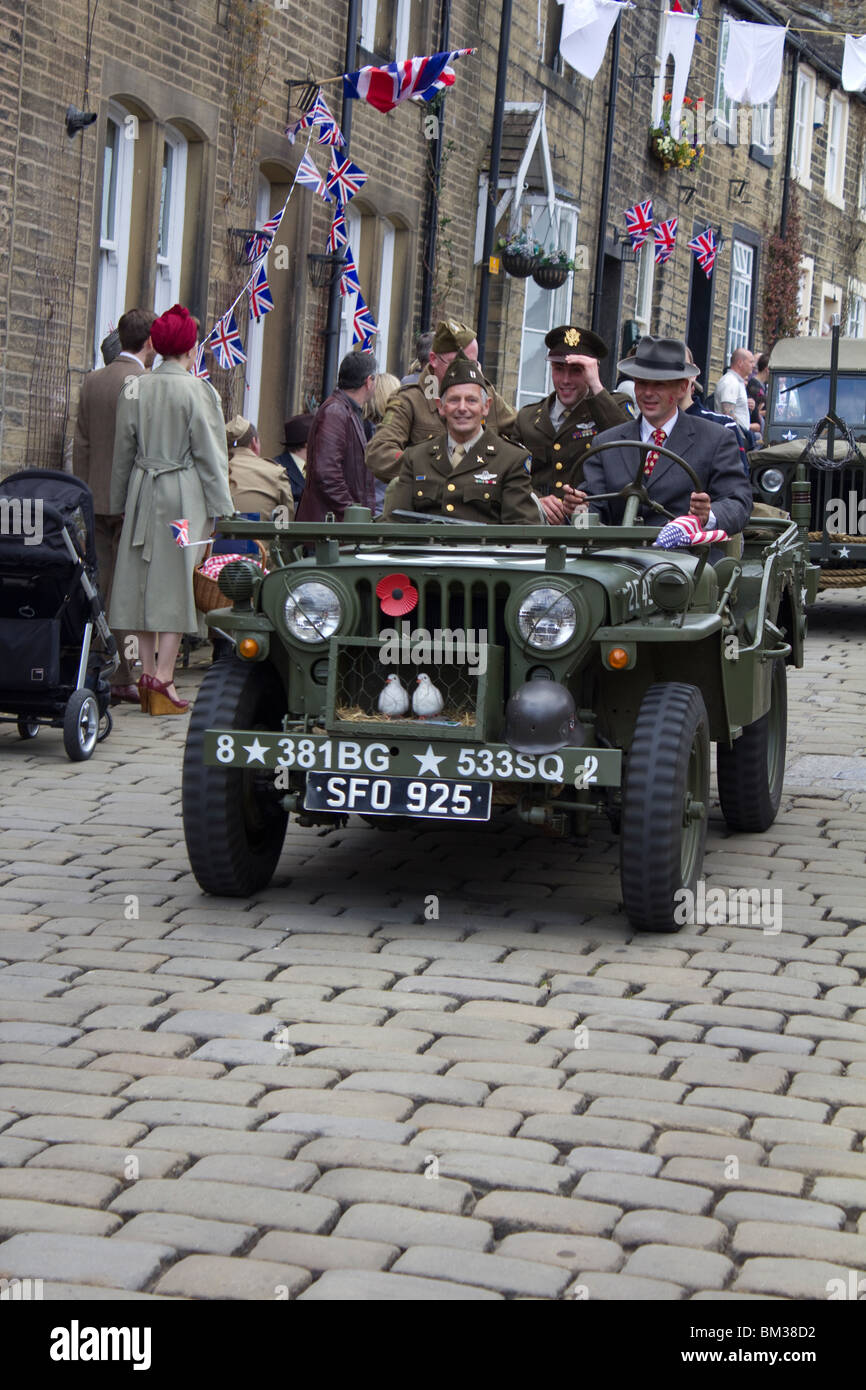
(93, 454)
(337, 475)
(660, 372)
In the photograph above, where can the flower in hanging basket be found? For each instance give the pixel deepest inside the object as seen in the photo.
(684, 152)
(397, 595)
(520, 254)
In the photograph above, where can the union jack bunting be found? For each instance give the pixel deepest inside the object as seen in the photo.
(420, 78)
(199, 369)
(337, 236)
(227, 347)
(686, 530)
(349, 282)
(345, 179)
(272, 226)
(363, 324)
(256, 246)
(318, 115)
(261, 301)
(665, 236)
(639, 221)
(705, 248)
(309, 175)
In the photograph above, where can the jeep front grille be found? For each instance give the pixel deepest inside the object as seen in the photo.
(474, 602)
(828, 484)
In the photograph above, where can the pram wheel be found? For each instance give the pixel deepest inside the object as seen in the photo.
(28, 728)
(106, 724)
(80, 725)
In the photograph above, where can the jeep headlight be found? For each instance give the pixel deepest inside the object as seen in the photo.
(546, 619)
(313, 612)
(772, 480)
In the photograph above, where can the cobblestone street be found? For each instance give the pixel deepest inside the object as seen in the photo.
(332, 1092)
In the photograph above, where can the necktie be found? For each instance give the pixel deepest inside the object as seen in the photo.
(457, 456)
(652, 457)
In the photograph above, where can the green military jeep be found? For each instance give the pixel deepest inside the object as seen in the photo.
(444, 671)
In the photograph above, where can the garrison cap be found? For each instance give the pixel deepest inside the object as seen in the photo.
(462, 372)
(567, 341)
(451, 336)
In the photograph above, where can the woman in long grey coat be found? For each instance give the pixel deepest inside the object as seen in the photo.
(170, 464)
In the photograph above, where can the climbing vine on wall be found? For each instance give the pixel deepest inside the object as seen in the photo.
(782, 280)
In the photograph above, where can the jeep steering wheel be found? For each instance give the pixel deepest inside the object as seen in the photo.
(636, 489)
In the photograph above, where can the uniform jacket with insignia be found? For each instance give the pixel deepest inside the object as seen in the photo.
(557, 451)
(491, 483)
(258, 484)
(412, 417)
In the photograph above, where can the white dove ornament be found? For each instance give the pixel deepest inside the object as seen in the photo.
(394, 699)
(427, 700)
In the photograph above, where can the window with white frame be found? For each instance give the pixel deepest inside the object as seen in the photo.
(354, 222)
(763, 126)
(386, 290)
(804, 110)
(169, 234)
(385, 26)
(254, 346)
(725, 115)
(543, 309)
(837, 140)
(804, 294)
(831, 306)
(114, 228)
(643, 300)
(861, 195)
(740, 303)
(856, 309)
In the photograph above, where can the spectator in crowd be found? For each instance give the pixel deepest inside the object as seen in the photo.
(692, 404)
(294, 457)
(386, 386)
(423, 344)
(731, 398)
(756, 386)
(256, 484)
(337, 475)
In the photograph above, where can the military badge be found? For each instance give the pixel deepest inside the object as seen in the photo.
(485, 476)
(527, 464)
(572, 337)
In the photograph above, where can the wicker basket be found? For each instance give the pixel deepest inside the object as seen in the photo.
(519, 265)
(207, 592)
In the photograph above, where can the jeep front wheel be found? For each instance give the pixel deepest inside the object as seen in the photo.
(664, 806)
(232, 817)
(752, 771)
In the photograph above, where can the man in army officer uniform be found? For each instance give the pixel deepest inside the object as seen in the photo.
(412, 415)
(561, 428)
(467, 472)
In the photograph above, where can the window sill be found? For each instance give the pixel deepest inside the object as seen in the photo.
(803, 180)
(835, 200)
(761, 156)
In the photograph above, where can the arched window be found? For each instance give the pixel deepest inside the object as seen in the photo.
(169, 235)
(121, 133)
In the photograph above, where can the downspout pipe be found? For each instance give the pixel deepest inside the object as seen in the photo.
(332, 331)
(789, 144)
(493, 184)
(605, 183)
(434, 166)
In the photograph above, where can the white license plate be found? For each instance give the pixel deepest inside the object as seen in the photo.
(398, 796)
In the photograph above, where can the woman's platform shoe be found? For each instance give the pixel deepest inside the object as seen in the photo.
(144, 688)
(160, 702)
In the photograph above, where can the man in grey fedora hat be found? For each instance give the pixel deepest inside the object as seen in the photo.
(661, 370)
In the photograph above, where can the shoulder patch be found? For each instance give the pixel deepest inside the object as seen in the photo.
(527, 464)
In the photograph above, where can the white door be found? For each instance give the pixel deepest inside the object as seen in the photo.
(256, 330)
(172, 199)
(115, 217)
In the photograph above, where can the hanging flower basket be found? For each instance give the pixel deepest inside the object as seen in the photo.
(550, 277)
(519, 264)
(684, 152)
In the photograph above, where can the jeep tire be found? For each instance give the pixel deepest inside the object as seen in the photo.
(751, 772)
(664, 806)
(232, 818)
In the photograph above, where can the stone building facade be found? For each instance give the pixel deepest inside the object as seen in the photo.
(149, 203)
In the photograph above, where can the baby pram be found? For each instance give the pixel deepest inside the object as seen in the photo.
(56, 648)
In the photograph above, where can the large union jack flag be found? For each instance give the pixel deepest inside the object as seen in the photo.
(261, 300)
(420, 78)
(349, 282)
(705, 248)
(226, 341)
(363, 324)
(665, 236)
(345, 179)
(639, 221)
(309, 175)
(337, 236)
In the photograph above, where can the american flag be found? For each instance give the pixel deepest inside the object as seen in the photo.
(345, 179)
(261, 301)
(420, 78)
(337, 236)
(227, 347)
(318, 115)
(705, 248)
(309, 175)
(686, 530)
(665, 234)
(639, 221)
(349, 282)
(363, 324)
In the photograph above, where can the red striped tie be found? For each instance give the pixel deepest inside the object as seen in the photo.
(652, 457)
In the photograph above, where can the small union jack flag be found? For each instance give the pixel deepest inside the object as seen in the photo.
(273, 223)
(349, 282)
(308, 175)
(686, 530)
(256, 246)
(363, 324)
(665, 235)
(345, 179)
(337, 236)
(199, 369)
(227, 347)
(318, 115)
(639, 221)
(180, 531)
(261, 301)
(705, 248)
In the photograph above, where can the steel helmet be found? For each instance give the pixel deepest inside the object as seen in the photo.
(540, 717)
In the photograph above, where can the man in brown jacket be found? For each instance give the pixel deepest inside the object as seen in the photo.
(337, 475)
(92, 456)
(413, 417)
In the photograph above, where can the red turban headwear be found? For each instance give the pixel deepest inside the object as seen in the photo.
(174, 332)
